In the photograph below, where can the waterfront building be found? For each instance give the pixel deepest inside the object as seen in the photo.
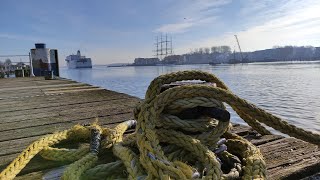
(146, 61)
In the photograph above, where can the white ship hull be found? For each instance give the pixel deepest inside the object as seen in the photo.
(78, 61)
(79, 64)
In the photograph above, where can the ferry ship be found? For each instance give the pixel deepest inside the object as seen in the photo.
(78, 61)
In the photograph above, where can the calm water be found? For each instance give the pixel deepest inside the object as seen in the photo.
(289, 90)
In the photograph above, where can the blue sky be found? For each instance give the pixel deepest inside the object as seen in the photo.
(119, 31)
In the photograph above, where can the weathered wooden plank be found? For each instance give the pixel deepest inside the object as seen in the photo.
(24, 91)
(30, 88)
(75, 90)
(32, 85)
(54, 119)
(21, 79)
(291, 158)
(8, 95)
(259, 140)
(43, 115)
(37, 83)
(75, 114)
(85, 95)
(22, 117)
(62, 98)
(49, 103)
(66, 108)
(59, 88)
(241, 130)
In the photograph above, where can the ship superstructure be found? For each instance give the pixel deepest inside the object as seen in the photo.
(78, 61)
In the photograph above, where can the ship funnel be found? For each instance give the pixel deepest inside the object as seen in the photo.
(40, 45)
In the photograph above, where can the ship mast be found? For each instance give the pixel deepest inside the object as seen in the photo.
(163, 47)
(166, 45)
(171, 45)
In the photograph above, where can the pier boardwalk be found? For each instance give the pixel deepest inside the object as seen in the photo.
(33, 107)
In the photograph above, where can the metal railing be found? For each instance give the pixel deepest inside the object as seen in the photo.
(7, 69)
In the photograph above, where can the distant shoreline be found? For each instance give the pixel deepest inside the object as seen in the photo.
(256, 62)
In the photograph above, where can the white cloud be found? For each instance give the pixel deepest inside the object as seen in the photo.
(291, 23)
(175, 27)
(17, 37)
(191, 13)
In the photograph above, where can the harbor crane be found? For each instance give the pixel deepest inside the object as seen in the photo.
(239, 47)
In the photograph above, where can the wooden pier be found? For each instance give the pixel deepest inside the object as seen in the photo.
(33, 107)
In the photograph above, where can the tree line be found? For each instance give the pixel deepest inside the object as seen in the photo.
(211, 50)
(224, 54)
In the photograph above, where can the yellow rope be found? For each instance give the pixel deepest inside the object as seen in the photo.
(62, 154)
(166, 145)
(22, 160)
(111, 170)
(75, 170)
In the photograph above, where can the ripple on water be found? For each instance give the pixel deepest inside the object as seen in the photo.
(288, 90)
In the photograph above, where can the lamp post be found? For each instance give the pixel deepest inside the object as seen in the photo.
(31, 67)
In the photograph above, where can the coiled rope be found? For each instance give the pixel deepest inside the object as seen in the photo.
(167, 143)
